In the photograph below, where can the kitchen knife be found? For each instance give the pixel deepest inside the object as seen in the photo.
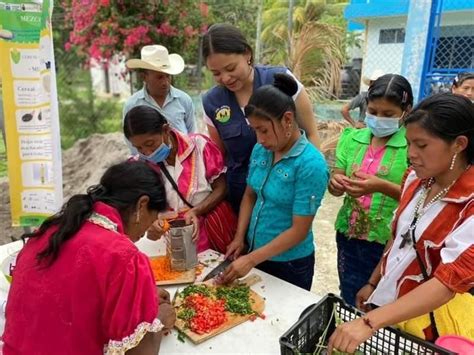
(218, 269)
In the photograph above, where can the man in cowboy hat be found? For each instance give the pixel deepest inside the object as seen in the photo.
(158, 66)
(360, 101)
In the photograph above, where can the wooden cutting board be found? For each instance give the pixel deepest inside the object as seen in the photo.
(186, 277)
(258, 305)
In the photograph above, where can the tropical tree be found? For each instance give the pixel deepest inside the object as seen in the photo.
(102, 28)
(240, 13)
(99, 29)
(316, 42)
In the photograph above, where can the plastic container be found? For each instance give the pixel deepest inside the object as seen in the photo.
(456, 343)
(304, 335)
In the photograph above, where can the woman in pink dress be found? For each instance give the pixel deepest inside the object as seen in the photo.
(80, 285)
(193, 171)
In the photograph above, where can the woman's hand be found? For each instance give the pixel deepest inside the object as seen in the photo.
(157, 229)
(239, 268)
(167, 316)
(363, 184)
(163, 296)
(336, 184)
(190, 217)
(362, 297)
(235, 248)
(348, 336)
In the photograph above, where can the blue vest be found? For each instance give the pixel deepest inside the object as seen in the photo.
(221, 106)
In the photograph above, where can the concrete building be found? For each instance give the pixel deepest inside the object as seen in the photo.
(384, 23)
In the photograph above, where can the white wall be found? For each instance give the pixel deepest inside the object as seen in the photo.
(119, 78)
(387, 57)
(457, 18)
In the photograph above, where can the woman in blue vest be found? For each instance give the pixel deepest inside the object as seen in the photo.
(286, 182)
(230, 59)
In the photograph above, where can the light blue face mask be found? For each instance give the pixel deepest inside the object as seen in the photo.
(159, 155)
(382, 126)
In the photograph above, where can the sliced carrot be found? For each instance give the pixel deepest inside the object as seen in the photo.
(161, 267)
(166, 226)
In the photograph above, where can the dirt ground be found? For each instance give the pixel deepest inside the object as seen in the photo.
(85, 162)
(325, 278)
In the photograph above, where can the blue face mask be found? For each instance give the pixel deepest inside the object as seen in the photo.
(159, 155)
(382, 126)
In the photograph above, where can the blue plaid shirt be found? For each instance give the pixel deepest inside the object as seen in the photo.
(178, 108)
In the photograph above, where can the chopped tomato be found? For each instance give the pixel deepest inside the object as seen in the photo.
(209, 313)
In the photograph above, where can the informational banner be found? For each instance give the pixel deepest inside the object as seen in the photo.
(30, 107)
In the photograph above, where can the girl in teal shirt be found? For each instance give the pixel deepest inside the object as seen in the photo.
(286, 182)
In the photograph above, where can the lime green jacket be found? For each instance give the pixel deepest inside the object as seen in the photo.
(350, 152)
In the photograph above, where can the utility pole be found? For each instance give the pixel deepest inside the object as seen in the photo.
(290, 29)
(199, 65)
(259, 32)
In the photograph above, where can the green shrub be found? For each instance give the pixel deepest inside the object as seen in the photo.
(81, 112)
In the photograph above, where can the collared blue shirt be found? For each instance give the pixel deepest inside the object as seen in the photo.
(178, 108)
(295, 185)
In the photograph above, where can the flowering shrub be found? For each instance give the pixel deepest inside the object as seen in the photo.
(101, 28)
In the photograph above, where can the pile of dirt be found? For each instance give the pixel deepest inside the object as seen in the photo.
(83, 165)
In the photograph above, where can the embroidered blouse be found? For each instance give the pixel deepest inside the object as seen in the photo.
(350, 152)
(98, 297)
(444, 239)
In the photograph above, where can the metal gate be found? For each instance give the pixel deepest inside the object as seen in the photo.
(449, 50)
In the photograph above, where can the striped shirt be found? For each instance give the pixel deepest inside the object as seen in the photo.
(444, 239)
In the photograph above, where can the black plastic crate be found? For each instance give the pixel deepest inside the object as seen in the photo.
(303, 337)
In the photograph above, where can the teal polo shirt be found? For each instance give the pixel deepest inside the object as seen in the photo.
(294, 186)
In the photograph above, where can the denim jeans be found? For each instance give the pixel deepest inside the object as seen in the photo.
(298, 272)
(356, 260)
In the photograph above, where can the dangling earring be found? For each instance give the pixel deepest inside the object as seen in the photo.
(137, 220)
(453, 161)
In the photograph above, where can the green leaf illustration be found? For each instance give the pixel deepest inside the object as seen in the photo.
(16, 56)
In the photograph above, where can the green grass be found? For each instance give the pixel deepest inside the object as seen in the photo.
(3, 158)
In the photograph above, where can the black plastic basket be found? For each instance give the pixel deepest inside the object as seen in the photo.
(303, 337)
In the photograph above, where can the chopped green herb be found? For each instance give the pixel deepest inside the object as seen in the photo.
(237, 299)
(181, 336)
(186, 314)
(201, 289)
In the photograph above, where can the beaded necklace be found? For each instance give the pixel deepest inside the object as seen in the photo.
(419, 211)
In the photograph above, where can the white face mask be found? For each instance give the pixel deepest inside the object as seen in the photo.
(382, 126)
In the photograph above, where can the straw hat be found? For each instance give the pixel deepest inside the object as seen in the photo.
(377, 73)
(156, 57)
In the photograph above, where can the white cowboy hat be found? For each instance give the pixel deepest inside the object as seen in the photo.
(156, 57)
(377, 73)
